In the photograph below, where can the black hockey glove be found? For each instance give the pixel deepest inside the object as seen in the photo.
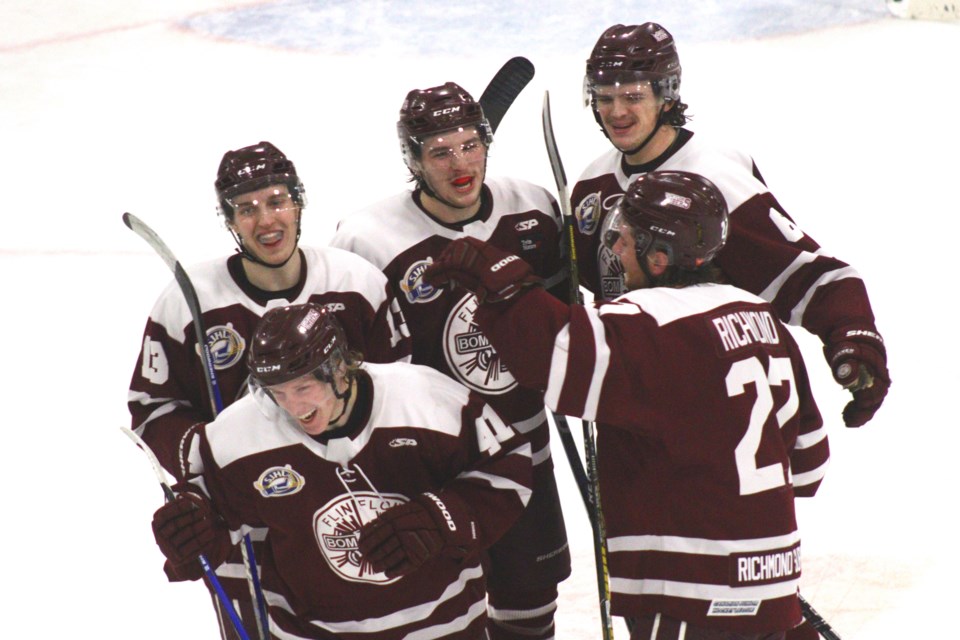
(409, 534)
(490, 273)
(185, 528)
(858, 361)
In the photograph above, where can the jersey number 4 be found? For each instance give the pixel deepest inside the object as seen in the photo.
(754, 479)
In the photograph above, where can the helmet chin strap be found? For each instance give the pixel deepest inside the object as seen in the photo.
(345, 396)
(646, 141)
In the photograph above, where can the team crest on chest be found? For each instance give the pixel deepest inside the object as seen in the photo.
(588, 214)
(276, 482)
(414, 287)
(470, 356)
(226, 346)
(336, 526)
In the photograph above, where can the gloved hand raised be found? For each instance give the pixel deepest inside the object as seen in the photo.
(490, 273)
(186, 527)
(858, 361)
(409, 534)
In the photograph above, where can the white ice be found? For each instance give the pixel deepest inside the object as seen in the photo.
(109, 106)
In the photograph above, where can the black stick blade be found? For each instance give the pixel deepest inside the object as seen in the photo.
(504, 88)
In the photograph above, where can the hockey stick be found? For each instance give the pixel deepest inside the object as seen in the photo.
(213, 390)
(589, 438)
(504, 88)
(809, 613)
(816, 620)
(207, 569)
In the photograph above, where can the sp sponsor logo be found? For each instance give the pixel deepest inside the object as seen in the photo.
(277, 482)
(336, 527)
(526, 225)
(403, 442)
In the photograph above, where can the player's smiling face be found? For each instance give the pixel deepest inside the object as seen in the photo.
(311, 402)
(629, 112)
(266, 221)
(453, 164)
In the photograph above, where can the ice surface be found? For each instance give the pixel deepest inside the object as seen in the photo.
(127, 106)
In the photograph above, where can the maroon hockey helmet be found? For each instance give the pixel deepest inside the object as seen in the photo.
(682, 214)
(626, 53)
(427, 112)
(254, 167)
(294, 341)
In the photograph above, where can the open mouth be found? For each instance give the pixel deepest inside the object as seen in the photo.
(463, 183)
(308, 417)
(270, 239)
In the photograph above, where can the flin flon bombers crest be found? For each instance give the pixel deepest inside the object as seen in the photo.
(336, 526)
(469, 354)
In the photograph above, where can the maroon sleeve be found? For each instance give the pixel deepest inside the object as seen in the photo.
(769, 256)
(167, 394)
(496, 480)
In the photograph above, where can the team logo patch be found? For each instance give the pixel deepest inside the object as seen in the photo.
(674, 200)
(611, 273)
(469, 354)
(226, 346)
(336, 526)
(588, 214)
(413, 287)
(276, 482)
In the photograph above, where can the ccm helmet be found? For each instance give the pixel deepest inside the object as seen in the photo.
(427, 112)
(631, 53)
(252, 168)
(682, 214)
(294, 341)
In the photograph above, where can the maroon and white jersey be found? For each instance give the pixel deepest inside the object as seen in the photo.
(412, 430)
(766, 252)
(168, 393)
(706, 430)
(402, 239)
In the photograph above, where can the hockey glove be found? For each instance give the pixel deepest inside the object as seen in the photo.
(185, 528)
(409, 534)
(858, 361)
(490, 273)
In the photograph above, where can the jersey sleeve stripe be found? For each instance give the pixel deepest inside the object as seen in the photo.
(796, 315)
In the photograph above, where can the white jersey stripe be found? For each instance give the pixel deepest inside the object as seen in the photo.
(699, 546)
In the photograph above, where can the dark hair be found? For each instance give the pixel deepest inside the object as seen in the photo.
(677, 277)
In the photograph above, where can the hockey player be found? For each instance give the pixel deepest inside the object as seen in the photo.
(706, 425)
(444, 138)
(632, 84)
(261, 199)
(377, 485)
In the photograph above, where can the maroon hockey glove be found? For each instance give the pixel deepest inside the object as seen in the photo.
(858, 361)
(185, 528)
(491, 274)
(409, 534)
